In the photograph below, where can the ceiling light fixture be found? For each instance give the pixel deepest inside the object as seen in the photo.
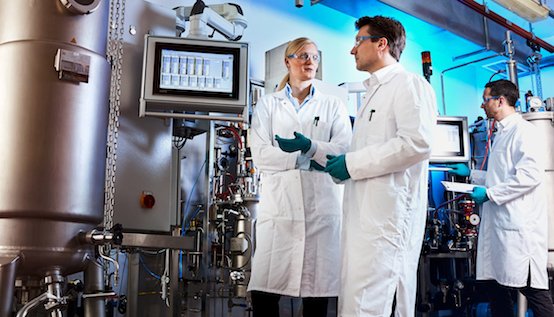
(531, 10)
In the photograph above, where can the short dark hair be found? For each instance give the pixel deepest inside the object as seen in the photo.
(388, 28)
(504, 88)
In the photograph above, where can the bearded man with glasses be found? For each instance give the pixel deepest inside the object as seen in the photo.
(512, 250)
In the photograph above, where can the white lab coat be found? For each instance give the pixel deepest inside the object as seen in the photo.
(385, 200)
(297, 242)
(514, 223)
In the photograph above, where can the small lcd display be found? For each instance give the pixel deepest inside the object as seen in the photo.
(447, 139)
(451, 140)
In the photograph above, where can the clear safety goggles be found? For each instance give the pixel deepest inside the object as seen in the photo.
(305, 57)
(360, 39)
(485, 100)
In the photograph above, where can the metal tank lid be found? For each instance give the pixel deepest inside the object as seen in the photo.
(538, 115)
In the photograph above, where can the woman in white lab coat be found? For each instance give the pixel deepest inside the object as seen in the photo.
(297, 232)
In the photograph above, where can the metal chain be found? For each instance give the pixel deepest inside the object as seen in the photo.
(115, 57)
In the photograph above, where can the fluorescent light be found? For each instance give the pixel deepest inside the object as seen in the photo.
(530, 10)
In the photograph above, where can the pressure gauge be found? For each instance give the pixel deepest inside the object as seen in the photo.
(535, 103)
(474, 219)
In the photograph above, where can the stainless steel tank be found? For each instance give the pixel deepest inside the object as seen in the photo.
(544, 120)
(52, 137)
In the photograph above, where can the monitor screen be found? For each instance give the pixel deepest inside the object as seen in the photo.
(200, 75)
(451, 140)
(197, 70)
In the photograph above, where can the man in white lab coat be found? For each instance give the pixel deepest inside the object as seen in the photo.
(386, 174)
(512, 250)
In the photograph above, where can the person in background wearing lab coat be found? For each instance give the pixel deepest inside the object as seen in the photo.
(512, 250)
(297, 231)
(386, 173)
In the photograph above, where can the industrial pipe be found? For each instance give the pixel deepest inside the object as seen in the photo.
(483, 10)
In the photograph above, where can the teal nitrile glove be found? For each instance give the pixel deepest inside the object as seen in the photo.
(315, 166)
(336, 167)
(299, 142)
(479, 194)
(459, 169)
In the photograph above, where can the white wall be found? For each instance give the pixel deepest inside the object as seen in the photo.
(272, 23)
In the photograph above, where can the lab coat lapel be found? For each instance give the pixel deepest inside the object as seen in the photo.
(382, 79)
(366, 98)
(287, 106)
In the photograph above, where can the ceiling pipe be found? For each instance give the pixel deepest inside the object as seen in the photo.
(456, 67)
(483, 10)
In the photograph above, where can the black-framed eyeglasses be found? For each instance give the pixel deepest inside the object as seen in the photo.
(487, 99)
(360, 39)
(306, 57)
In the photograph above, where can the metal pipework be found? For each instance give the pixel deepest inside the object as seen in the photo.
(94, 285)
(96, 237)
(455, 67)
(54, 282)
(511, 65)
(52, 298)
(35, 302)
(115, 264)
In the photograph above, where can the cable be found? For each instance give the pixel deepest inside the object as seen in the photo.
(179, 142)
(488, 143)
(147, 269)
(196, 212)
(122, 276)
(237, 136)
(498, 72)
(447, 202)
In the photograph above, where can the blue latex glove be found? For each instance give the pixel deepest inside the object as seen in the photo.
(459, 169)
(299, 142)
(479, 194)
(336, 167)
(314, 166)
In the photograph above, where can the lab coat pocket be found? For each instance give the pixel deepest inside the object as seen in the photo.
(327, 199)
(279, 195)
(500, 157)
(384, 208)
(376, 128)
(321, 131)
(512, 215)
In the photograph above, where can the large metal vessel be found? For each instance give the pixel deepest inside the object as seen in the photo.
(52, 136)
(544, 121)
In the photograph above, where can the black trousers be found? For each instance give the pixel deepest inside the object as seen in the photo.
(267, 305)
(501, 300)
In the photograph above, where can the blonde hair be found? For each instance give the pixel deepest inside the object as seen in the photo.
(294, 47)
